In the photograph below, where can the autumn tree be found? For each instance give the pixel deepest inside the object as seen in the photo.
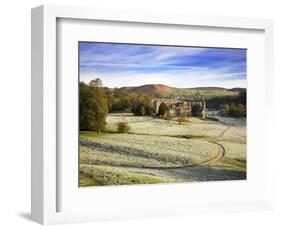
(86, 106)
(93, 106)
(238, 110)
(224, 109)
(141, 104)
(241, 110)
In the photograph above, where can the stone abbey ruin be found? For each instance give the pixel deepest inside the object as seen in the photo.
(180, 106)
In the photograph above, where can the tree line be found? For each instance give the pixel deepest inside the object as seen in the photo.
(96, 102)
(233, 110)
(137, 103)
(233, 106)
(216, 102)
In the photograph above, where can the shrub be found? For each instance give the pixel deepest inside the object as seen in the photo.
(123, 127)
(182, 118)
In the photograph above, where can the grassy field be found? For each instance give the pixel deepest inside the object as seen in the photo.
(158, 151)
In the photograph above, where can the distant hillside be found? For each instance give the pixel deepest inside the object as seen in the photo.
(237, 89)
(150, 89)
(170, 92)
(207, 88)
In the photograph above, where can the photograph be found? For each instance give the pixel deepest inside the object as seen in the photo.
(157, 113)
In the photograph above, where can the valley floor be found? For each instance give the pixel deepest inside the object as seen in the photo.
(160, 151)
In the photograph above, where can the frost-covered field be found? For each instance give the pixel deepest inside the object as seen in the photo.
(145, 150)
(125, 117)
(158, 151)
(194, 128)
(236, 134)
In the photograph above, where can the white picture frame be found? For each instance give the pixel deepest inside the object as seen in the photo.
(46, 181)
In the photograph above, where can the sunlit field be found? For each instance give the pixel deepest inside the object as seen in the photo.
(160, 151)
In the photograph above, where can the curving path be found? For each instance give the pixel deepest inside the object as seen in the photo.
(224, 131)
(219, 156)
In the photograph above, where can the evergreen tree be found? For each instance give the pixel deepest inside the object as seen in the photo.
(163, 108)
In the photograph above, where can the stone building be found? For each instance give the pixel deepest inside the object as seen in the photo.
(179, 106)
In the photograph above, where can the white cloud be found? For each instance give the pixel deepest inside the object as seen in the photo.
(192, 77)
(130, 65)
(158, 55)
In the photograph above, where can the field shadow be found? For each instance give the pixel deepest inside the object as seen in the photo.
(206, 173)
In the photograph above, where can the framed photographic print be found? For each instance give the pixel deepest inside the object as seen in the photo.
(186, 112)
(140, 114)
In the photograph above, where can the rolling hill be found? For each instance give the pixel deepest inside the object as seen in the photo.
(150, 89)
(168, 92)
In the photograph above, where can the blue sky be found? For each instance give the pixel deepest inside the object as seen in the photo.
(133, 65)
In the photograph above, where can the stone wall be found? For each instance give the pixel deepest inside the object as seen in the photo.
(176, 103)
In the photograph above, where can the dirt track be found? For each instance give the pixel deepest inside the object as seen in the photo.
(219, 156)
